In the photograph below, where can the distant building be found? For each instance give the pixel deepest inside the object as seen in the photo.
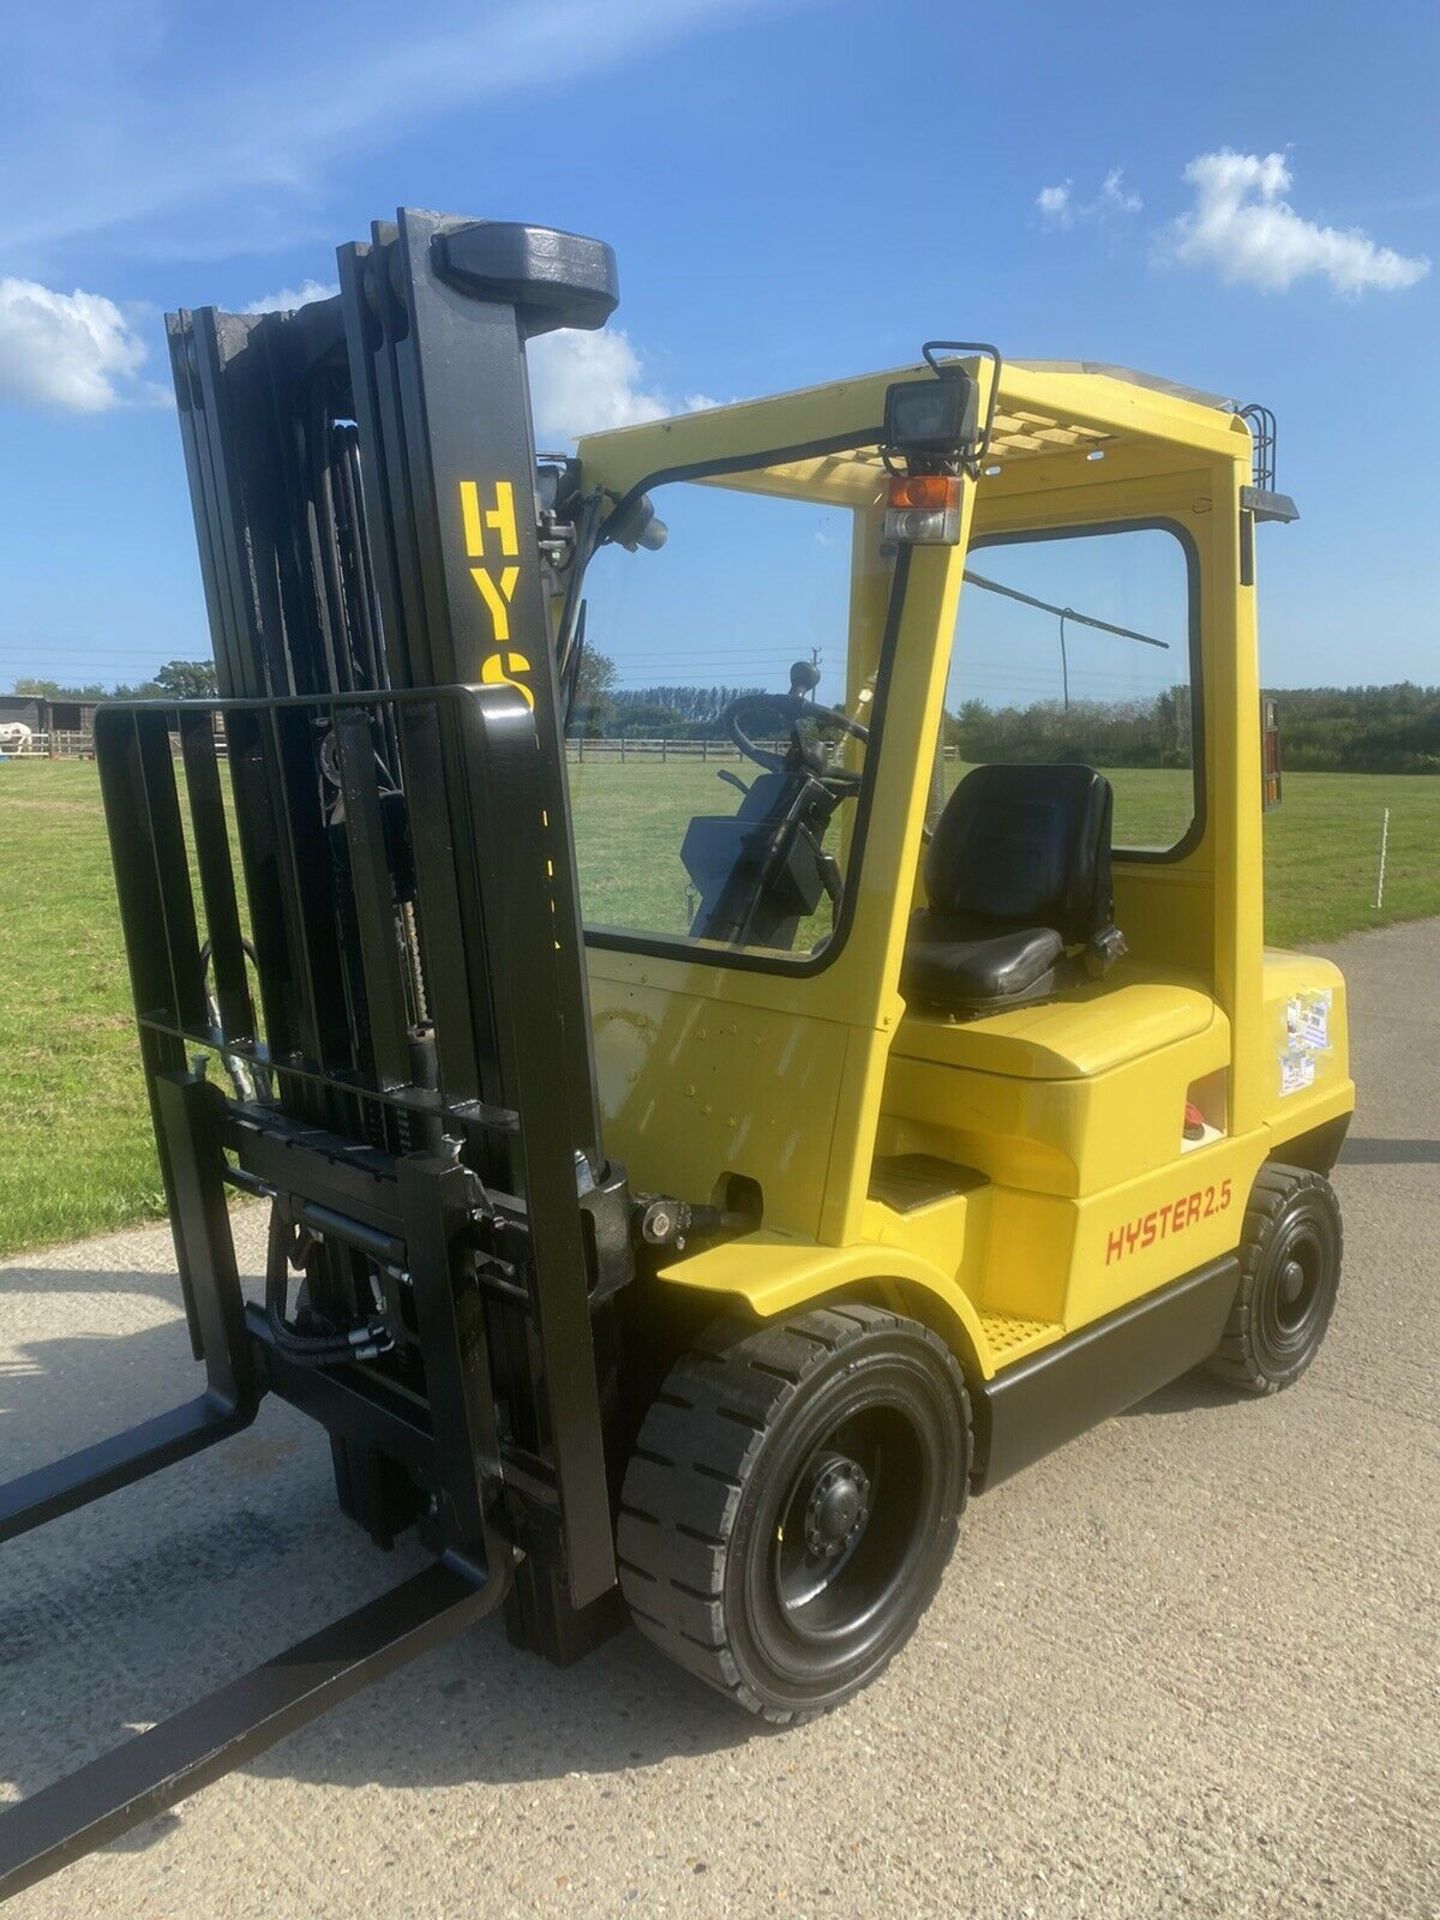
(50, 717)
(22, 707)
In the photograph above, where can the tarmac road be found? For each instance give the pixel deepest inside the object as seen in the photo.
(1185, 1666)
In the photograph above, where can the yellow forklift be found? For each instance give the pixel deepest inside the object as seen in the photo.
(1029, 1126)
(687, 1184)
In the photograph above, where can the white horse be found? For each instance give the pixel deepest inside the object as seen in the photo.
(15, 736)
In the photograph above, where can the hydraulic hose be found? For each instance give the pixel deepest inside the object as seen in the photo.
(364, 1342)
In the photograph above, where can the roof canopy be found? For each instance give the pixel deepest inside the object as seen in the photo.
(1046, 410)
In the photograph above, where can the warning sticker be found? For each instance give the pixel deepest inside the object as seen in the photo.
(1315, 1020)
(1307, 1021)
(1297, 1070)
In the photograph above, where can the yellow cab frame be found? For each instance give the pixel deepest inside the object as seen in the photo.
(1085, 1198)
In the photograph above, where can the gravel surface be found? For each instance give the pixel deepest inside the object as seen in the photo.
(1185, 1666)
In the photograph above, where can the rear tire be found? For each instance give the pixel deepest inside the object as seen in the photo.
(792, 1501)
(1290, 1255)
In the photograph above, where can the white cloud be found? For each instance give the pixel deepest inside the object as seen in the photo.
(288, 298)
(1241, 226)
(76, 351)
(580, 381)
(587, 382)
(1114, 194)
(1059, 207)
(1054, 203)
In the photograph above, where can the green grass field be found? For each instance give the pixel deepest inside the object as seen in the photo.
(75, 1151)
(645, 804)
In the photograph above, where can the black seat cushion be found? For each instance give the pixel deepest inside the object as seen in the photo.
(1016, 873)
(961, 964)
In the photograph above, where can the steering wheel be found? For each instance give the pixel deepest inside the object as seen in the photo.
(790, 710)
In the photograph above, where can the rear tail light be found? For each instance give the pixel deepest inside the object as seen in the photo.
(923, 509)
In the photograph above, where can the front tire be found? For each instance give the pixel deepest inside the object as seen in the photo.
(1289, 1276)
(792, 1501)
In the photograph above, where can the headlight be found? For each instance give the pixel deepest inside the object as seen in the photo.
(934, 418)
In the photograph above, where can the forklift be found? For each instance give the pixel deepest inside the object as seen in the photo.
(693, 1274)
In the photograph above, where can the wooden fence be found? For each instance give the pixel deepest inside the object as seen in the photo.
(624, 749)
(621, 750)
(57, 745)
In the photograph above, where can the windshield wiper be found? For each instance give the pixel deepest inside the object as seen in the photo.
(1065, 613)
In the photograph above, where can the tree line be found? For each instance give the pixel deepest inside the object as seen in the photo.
(1394, 729)
(1363, 729)
(1371, 729)
(1391, 729)
(176, 680)
(1105, 733)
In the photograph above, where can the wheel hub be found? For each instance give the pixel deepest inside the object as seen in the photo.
(838, 1508)
(1292, 1282)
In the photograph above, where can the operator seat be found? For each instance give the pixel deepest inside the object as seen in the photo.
(1021, 904)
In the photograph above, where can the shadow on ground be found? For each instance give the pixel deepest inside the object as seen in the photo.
(1390, 1153)
(125, 1611)
(1188, 1394)
(87, 1282)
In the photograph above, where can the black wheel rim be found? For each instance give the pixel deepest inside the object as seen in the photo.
(848, 1526)
(822, 1611)
(1292, 1305)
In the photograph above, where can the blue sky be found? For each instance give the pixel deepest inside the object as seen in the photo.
(793, 190)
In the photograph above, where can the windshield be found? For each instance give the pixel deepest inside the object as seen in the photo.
(721, 717)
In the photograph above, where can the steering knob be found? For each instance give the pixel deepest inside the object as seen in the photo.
(804, 678)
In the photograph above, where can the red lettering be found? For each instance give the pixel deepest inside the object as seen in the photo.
(1143, 1231)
